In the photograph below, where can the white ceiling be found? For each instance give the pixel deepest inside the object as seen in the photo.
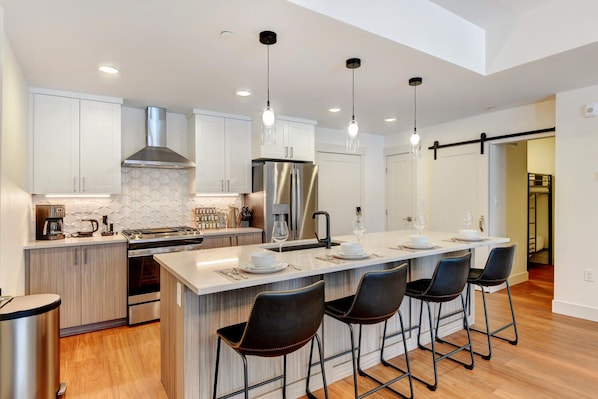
(171, 54)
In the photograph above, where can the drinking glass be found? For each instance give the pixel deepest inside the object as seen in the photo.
(467, 219)
(419, 222)
(280, 233)
(358, 227)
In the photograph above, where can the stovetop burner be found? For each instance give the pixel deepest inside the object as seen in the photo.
(161, 233)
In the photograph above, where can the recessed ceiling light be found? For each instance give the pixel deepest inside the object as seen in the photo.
(390, 119)
(108, 69)
(226, 34)
(243, 93)
(334, 109)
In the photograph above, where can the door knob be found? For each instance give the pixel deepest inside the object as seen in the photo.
(409, 219)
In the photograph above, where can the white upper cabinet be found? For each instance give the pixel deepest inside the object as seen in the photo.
(295, 140)
(76, 145)
(222, 151)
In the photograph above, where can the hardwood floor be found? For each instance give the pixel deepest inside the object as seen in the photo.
(557, 357)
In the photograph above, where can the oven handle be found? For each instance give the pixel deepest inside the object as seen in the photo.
(134, 253)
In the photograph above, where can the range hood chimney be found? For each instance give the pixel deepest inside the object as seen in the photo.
(156, 154)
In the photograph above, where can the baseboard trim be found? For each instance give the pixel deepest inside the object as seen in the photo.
(65, 332)
(575, 310)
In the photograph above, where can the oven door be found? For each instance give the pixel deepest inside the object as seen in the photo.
(143, 282)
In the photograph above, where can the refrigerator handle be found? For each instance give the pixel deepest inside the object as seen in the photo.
(294, 205)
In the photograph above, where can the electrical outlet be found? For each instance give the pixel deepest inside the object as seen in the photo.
(588, 275)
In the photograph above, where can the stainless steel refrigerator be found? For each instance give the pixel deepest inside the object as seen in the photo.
(284, 190)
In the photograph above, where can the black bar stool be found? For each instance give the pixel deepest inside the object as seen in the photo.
(447, 283)
(496, 272)
(378, 298)
(280, 323)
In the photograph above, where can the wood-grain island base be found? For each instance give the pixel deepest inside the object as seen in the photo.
(208, 301)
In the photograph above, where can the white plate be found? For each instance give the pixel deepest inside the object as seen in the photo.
(275, 267)
(472, 239)
(341, 255)
(410, 245)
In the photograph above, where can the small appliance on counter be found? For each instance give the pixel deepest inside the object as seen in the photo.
(94, 226)
(246, 217)
(49, 222)
(107, 229)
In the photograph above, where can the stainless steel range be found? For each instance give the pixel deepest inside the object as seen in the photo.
(143, 272)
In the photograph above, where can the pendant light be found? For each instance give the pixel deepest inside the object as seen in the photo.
(415, 139)
(268, 118)
(353, 129)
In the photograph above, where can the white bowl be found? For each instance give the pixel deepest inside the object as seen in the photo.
(351, 248)
(468, 233)
(416, 239)
(263, 259)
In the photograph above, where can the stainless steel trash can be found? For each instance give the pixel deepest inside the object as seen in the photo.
(30, 347)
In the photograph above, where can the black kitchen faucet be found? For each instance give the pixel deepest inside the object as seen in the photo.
(328, 239)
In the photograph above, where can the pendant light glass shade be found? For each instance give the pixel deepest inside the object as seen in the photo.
(353, 128)
(268, 117)
(415, 138)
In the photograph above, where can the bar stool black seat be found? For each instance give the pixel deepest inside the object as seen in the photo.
(280, 322)
(447, 283)
(496, 272)
(378, 298)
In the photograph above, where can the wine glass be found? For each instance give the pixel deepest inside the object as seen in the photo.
(467, 219)
(358, 227)
(280, 233)
(419, 222)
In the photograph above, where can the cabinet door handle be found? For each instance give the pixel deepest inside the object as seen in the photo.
(286, 152)
(85, 256)
(227, 185)
(74, 184)
(76, 256)
(291, 153)
(83, 184)
(222, 185)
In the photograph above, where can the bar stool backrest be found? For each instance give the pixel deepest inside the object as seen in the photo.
(498, 266)
(281, 322)
(449, 278)
(378, 296)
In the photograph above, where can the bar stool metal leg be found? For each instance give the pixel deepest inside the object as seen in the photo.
(434, 338)
(310, 395)
(489, 334)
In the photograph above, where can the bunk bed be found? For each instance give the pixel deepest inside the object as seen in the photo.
(539, 218)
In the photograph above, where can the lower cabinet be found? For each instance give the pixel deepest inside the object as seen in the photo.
(90, 279)
(232, 240)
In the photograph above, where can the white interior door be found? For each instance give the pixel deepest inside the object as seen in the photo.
(459, 183)
(399, 192)
(339, 190)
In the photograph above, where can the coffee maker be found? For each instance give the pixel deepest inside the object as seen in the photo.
(48, 222)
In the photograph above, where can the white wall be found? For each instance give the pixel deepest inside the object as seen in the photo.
(371, 147)
(576, 213)
(14, 198)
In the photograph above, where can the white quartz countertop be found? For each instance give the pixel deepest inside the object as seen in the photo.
(201, 271)
(75, 241)
(230, 230)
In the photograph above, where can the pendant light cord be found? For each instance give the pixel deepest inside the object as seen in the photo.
(353, 94)
(415, 109)
(268, 77)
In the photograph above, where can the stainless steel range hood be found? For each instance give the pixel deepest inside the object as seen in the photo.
(156, 154)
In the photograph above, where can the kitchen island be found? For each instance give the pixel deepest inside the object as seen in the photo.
(199, 295)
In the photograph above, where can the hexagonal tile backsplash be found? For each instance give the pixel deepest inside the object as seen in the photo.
(149, 198)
